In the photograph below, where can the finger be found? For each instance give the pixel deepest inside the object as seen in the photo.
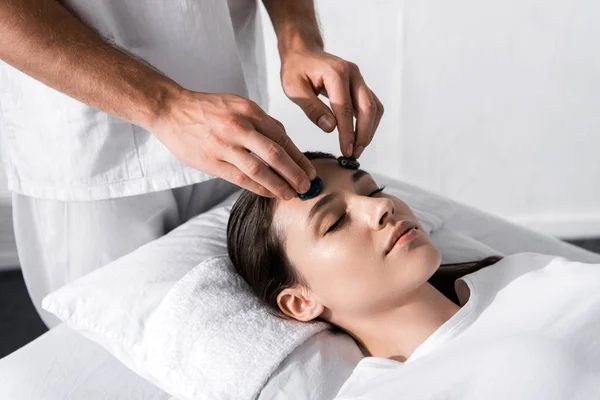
(234, 175)
(338, 89)
(304, 96)
(366, 112)
(278, 123)
(279, 160)
(380, 111)
(291, 156)
(256, 170)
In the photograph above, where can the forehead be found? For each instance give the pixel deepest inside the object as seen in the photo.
(294, 212)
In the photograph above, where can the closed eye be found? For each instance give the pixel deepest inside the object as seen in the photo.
(337, 224)
(342, 219)
(379, 190)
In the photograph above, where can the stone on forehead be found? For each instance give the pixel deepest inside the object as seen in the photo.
(348, 162)
(315, 188)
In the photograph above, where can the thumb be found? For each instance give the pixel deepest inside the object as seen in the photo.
(317, 111)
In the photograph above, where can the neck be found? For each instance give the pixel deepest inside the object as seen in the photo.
(406, 326)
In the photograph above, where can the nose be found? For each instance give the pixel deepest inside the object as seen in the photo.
(377, 211)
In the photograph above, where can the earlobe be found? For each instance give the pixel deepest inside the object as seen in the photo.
(293, 303)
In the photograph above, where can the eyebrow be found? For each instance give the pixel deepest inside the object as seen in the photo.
(324, 201)
(358, 174)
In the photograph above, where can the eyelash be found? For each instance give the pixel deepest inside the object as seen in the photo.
(337, 224)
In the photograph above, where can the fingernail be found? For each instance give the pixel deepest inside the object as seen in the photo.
(349, 150)
(288, 194)
(304, 186)
(326, 122)
(359, 151)
(312, 174)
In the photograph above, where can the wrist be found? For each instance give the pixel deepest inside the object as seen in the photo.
(296, 40)
(161, 102)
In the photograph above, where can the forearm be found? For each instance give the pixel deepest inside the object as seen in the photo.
(295, 24)
(45, 41)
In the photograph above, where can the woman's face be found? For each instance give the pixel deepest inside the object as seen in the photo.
(339, 242)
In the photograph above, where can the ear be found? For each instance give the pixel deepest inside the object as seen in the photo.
(296, 303)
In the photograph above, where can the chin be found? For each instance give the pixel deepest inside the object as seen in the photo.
(428, 257)
(410, 271)
(434, 256)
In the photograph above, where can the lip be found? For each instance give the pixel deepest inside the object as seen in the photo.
(401, 229)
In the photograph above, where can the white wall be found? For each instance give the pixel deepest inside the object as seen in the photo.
(493, 103)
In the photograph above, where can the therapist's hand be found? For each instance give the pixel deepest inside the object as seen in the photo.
(215, 133)
(307, 72)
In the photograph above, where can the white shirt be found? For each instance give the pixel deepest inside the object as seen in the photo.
(59, 148)
(529, 330)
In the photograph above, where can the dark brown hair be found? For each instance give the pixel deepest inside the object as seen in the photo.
(256, 250)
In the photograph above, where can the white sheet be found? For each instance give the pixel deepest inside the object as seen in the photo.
(529, 330)
(62, 365)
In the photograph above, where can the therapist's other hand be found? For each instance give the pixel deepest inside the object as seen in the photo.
(306, 73)
(215, 134)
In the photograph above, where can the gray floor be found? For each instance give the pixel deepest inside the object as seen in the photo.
(20, 323)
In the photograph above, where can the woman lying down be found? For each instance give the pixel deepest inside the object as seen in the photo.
(523, 327)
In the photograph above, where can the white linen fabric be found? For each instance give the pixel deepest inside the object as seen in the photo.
(63, 365)
(528, 330)
(196, 353)
(60, 241)
(113, 306)
(71, 151)
(8, 251)
(315, 370)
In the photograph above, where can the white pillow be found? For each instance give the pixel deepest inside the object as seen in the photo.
(144, 309)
